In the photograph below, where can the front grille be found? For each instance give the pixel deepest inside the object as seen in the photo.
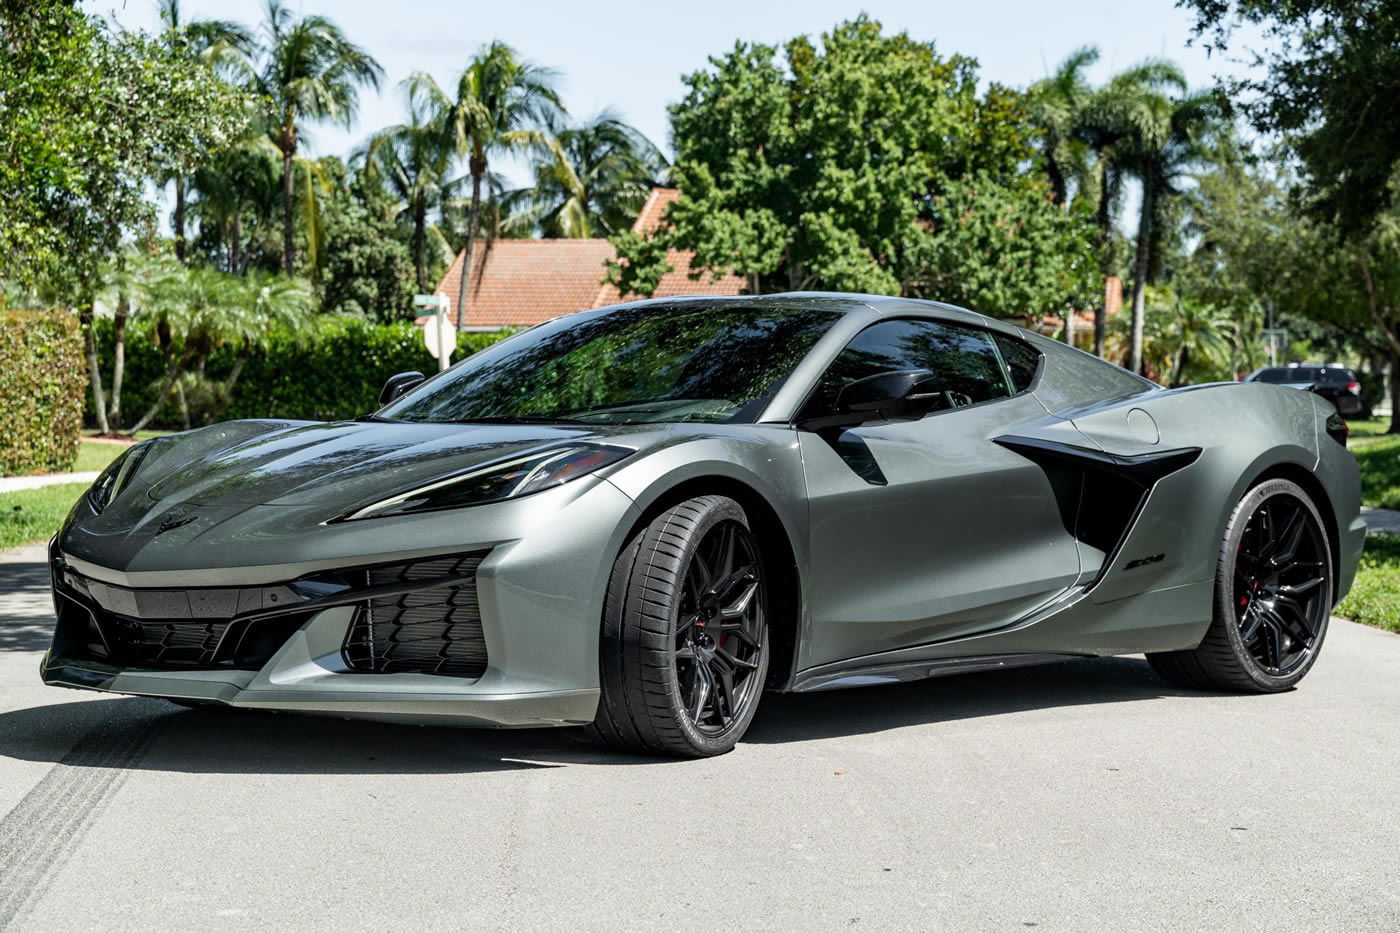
(154, 643)
(434, 630)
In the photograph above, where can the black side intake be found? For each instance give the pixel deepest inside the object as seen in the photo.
(435, 629)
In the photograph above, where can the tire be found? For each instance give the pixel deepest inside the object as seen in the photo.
(669, 588)
(1273, 596)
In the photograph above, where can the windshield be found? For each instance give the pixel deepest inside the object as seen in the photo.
(636, 364)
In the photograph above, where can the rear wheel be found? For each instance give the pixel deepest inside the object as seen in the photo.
(1273, 596)
(684, 648)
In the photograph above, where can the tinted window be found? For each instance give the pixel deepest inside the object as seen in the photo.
(631, 365)
(963, 360)
(1022, 361)
(1279, 374)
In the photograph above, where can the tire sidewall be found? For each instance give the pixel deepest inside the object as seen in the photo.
(721, 509)
(1224, 590)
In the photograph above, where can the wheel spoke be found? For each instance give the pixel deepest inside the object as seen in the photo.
(726, 692)
(700, 693)
(1298, 589)
(685, 653)
(1289, 539)
(734, 663)
(1252, 617)
(1274, 635)
(738, 607)
(1301, 628)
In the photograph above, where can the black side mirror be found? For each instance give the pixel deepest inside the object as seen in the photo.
(398, 385)
(906, 395)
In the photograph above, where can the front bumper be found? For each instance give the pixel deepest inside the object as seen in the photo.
(538, 593)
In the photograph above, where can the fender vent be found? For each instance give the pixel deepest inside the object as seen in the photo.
(433, 630)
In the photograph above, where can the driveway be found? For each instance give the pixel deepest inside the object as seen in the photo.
(1081, 796)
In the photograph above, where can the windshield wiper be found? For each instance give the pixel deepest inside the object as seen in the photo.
(504, 419)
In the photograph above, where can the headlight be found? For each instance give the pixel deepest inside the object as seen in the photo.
(113, 480)
(509, 480)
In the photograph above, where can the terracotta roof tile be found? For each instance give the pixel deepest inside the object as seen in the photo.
(520, 283)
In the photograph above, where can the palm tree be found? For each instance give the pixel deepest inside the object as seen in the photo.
(1058, 104)
(413, 160)
(594, 182)
(1170, 138)
(306, 70)
(238, 182)
(499, 105)
(209, 42)
(1109, 122)
(195, 310)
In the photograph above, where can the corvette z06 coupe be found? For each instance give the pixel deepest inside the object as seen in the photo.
(637, 519)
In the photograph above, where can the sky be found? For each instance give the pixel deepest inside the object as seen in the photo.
(630, 56)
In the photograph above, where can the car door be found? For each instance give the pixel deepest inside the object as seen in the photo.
(927, 530)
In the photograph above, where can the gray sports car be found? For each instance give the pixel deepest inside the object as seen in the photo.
(638, 518)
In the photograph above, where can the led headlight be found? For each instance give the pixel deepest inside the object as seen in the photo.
(510, 479)
(113, 480)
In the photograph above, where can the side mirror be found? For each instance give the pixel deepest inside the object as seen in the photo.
(398, 385)
(906, 395)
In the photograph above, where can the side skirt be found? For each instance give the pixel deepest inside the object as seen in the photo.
(893, 672)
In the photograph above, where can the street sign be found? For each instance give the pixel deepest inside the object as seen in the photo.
(1275, 341)
(427, 301)
(440, 337)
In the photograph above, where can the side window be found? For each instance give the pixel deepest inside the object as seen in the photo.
(963, 360)
(1022, 361)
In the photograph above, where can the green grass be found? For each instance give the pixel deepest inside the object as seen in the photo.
(94, 456)
(1379, 460)
(1375, 596)
(34, 514)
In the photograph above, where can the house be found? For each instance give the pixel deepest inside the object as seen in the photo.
(520, 283)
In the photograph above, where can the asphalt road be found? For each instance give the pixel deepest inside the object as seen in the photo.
(1082, 796)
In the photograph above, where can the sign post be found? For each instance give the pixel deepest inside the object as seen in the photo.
(439, 334)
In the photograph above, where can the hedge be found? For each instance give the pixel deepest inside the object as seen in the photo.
(42, 382)
(335, 373)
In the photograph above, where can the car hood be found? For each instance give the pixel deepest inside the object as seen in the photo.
(335, 465)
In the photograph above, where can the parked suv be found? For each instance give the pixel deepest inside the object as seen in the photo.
(1337, 384)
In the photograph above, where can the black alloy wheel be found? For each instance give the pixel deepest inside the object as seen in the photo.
(719, 636)
(1280, 584)
(1273, 596)
(684, 646)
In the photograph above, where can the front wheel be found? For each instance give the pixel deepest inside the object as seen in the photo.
(684, 648)
(1273, 596)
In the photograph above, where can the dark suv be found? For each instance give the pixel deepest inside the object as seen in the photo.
(1337, 384)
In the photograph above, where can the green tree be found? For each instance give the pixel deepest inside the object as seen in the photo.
(1108, 122)
(593, 184)
(88, 115)
(837, 167)
(201, 43)
(499, 104)
(1057, 106)
(1327, 83)
(1171, 137)
(194, 311)
(236, 193)
(369, 265)
(305, 69)
(414, 162)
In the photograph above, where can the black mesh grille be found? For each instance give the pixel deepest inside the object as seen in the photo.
(435, 630)
(154, 643)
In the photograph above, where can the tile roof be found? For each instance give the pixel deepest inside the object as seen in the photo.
(520, 283)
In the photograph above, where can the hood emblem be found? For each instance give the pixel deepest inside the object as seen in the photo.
(174, 520)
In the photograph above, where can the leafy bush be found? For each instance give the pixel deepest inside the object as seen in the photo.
(335, 372)
(42, 382)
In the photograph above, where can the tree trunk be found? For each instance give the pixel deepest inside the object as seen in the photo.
(1104, 219)
(235, 246)
(1069, 327)
(180, 217)
(173, 369)
(288, 248)
(1394, 394)
(477, 169)
(114, 413)
(99, 401)
(1057, 181)
(420, 221)
(1140, 271)
(184, 405)
(1179, 376)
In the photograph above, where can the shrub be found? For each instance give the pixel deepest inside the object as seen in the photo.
(42, 381)
(334, 373)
